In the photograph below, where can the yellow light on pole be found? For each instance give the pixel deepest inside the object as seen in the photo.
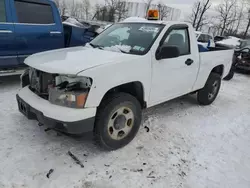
(153, 15)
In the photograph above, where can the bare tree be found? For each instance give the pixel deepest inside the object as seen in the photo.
(101, 12)
(112, 10)
(240, 15)
(226, 14)
(248, 24)
(75, 9)
(121, 10)
(97, 12)
(231, 27)
(164, 11)
(62, 6)
(111, 5)
(204, 7)
(148, 5)
(195, 12)
(85, 9)
(198, 18)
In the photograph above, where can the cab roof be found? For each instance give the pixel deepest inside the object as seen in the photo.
(144, 20)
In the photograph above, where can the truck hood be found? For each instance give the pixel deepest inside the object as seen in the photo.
(74, 60)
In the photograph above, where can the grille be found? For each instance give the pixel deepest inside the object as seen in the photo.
(40, 82)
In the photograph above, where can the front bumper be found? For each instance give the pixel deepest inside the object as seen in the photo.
(68, 120)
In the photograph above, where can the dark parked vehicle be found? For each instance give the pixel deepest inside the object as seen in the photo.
(241, 59)
(32, 26)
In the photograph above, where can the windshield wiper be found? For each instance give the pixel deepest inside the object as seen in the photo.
(123, 51)
(92, 45)
(95, 46)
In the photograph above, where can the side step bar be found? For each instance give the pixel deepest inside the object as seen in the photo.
(12, 72)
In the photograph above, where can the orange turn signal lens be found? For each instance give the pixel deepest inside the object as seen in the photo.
(81, 100)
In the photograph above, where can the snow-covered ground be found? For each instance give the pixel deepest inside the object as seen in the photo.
(187, 146)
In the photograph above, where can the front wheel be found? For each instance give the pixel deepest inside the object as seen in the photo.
(208, 94)
(118, 121)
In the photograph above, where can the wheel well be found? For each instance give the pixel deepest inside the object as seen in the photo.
(133, 88)
(219, 70)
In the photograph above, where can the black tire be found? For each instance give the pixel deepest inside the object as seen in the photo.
(204, 96)
(105, 113)
(230, 75)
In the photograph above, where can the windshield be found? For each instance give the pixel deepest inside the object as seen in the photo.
(131, 38)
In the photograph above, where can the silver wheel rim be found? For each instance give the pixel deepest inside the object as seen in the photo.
(121, 123)
(214, 91)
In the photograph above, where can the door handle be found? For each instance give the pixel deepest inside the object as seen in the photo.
(55, 32)
(6, 31)
(189, 62)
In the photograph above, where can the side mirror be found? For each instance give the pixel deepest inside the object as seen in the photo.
(166, 52)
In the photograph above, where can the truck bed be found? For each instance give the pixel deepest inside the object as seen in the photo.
(212, 58)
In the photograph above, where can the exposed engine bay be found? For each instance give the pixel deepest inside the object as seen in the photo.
(63, 90)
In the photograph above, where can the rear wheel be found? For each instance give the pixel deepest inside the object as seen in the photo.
(230, 75)
(118, 121)
(208, 94)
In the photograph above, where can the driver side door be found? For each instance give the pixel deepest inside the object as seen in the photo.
(173, 77)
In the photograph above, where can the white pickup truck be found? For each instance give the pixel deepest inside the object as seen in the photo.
(104, 86)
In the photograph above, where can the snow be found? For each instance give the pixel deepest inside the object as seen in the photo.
(135, 19)
(203, 44)
(99, 30)
(107, 26)
(118, 48)
(188, 146)
(231, 41)
(73, 22)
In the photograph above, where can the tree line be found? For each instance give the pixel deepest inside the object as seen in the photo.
(230, 17)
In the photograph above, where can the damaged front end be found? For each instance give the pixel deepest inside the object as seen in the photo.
(242, 59)
(63, 90)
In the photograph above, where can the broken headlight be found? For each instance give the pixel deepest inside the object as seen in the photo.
(25, 81)
(70, 91)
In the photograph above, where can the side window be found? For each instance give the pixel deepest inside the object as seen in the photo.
(179, 38)
(202, 38)
(207, 38)
(33, 13)
(2, 11)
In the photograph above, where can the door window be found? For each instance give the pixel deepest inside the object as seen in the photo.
(33, 13)
(2, 11)
(203, 38)
(179, 38)
(208, 38)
